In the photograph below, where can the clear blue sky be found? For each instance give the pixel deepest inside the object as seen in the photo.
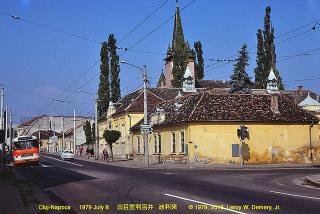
(45, 62)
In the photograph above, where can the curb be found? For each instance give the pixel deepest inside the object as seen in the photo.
(313, 180)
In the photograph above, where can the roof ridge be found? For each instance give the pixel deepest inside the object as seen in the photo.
(141, 92)
(196, 106)
(155, 95)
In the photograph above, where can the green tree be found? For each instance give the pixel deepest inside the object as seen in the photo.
(104, 88)
(260, 74)
(111, 136)
(199, 65)
(87, 131)
(240, 81)
(180, 52)
(269, 48)
(114, 69)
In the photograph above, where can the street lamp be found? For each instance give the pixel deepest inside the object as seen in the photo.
(145, 110)
(96, 152)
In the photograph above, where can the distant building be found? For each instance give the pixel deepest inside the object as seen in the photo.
(44, 122)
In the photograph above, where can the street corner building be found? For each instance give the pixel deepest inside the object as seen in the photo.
(202, 128)
(125, 113)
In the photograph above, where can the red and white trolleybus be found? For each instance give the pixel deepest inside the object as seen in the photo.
(25, 150)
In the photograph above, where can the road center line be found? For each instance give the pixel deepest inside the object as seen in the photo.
(301, 196)
(63, 161)
(200, 202)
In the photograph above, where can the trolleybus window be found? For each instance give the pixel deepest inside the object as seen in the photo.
(26, 144)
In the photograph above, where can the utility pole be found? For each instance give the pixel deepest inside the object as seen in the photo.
(145, 112)
(1, 108)
(62, 121)
(145, 108)
(1, 128)
(10, 133)
(54, 135)
(39, 137)
(6, 127)
(74, 131)
(96, 153)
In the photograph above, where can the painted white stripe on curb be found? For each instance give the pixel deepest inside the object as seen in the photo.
(43, 165)
(63, 161)
(301, 196)
(200, 202)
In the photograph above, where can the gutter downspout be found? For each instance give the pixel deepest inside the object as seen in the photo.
(310, 143)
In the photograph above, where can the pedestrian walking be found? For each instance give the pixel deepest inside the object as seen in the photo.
(105, 154)
(87, 153)
(81, 150)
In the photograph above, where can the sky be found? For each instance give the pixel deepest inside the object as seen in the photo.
(40, 59)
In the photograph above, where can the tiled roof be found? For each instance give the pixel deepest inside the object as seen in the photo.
(299, 95)
(309, 101)
(212, 84)
(30, 122)
(46, 134)
(133, 102)
(208, 107)
(70, 131)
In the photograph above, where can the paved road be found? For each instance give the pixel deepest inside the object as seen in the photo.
(80, 182)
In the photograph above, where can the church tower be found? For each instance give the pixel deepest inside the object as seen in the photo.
(177, 36)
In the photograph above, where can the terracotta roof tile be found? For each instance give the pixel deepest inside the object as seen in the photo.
(208, 106)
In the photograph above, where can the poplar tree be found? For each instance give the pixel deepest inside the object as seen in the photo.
(240, 80)
(87, 132)
(266, 58)
(114, 69)
(180, 52)
(104, 89)
(259, 71)
(199, 65)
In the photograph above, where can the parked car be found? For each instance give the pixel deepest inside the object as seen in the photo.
(67, 155)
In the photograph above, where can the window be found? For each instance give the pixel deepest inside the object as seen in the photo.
(159, 143)
(235, 150)
(182, 142)
(138, 144)
(173, 143)
(155, 144)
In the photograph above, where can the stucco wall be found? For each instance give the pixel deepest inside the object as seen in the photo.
(268, 143)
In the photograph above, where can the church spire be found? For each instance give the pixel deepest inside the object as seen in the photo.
(177, 30)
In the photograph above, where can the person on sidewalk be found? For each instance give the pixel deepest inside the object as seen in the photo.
(87, 152)
(105, 154)
(81, 150)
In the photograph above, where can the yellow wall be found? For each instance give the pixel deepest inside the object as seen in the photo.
(122, 123)
(212, 142)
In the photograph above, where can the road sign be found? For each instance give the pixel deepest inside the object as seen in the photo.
(146, 128)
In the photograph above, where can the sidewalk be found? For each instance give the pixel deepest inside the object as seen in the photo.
(313, 180)
(10, 200)
(171, 165)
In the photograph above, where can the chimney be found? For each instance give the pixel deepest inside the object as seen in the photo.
(300, 90)
(275, 104)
